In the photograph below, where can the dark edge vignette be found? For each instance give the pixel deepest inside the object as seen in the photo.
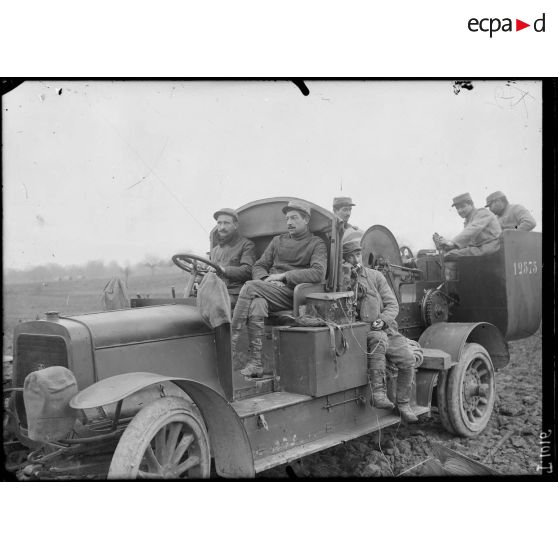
(547, 438)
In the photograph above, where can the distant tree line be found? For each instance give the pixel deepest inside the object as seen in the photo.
(92, 269)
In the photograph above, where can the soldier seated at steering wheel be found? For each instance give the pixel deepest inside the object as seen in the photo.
(233, 255)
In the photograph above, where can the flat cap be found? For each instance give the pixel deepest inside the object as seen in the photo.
(351, 246)
(352, 234)
(226, 211)
(494, 196)
(298, 206)
(342, 201)
(462, 198)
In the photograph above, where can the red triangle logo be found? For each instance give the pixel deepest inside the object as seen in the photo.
(519, 25)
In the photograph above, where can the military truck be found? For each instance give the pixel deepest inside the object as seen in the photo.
(151, 391)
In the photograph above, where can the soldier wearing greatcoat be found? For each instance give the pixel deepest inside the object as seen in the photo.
(510, 215)
(377, 305)
(481, 231)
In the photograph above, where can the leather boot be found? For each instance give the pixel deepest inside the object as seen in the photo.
(239, 318)
(404, 387)
(256, 331)
(379, 390)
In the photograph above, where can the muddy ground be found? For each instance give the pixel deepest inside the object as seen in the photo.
(405, 449)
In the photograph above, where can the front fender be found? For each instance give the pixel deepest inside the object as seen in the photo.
(451, 338)
(229, 442)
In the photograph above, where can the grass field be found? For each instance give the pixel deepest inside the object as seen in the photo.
(23, 302)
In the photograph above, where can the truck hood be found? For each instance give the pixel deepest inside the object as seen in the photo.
(150, 323)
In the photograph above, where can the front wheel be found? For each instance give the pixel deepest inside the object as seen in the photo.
(165, 440)
(470, 391)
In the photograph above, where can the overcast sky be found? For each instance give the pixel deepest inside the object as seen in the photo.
(119, 170)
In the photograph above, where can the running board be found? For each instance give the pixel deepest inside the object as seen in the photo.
(270, 461)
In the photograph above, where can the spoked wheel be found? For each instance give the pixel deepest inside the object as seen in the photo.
(165, 440)
(441, 396)
(470, 391)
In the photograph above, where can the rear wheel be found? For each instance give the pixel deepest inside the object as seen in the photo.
(442, 401)
(165, 440)
(470, 391)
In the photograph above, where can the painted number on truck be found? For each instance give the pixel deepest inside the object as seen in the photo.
(525, 268)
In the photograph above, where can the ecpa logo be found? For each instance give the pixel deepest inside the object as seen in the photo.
(494, 24)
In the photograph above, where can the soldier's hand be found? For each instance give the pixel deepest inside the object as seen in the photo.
(378, 325)
(275, 278)
(220, 271)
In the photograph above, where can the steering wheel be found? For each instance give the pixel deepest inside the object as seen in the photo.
(190, 263)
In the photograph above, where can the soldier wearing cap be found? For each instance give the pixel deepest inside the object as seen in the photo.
(481, 231)
(510, 215)
(342, 207)
(377, 305)
(233, 254)
(291, 258)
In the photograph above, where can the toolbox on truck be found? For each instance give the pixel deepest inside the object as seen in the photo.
(316, 361)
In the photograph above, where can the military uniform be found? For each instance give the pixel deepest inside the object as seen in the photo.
(302, 258)
(376, 301)
(480, 235)
(513, 215)
(350, 232)
(236, 256)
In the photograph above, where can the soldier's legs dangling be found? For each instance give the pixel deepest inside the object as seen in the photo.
(401, 356)
(262, 298)
(376, 343)
(256, 331)
(238, 322)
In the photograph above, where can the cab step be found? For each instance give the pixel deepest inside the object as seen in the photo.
(330, 440)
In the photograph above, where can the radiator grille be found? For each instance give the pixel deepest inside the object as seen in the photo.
(34, 352)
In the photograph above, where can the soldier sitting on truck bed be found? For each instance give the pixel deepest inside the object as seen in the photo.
(377, 305)
(510, 215)
(233, 254)
(291, 258)
(481, 231)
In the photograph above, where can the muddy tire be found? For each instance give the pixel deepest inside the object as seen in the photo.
(470, 391)
(165, 440)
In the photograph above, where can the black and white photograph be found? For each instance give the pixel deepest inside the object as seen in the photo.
(273, 279)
